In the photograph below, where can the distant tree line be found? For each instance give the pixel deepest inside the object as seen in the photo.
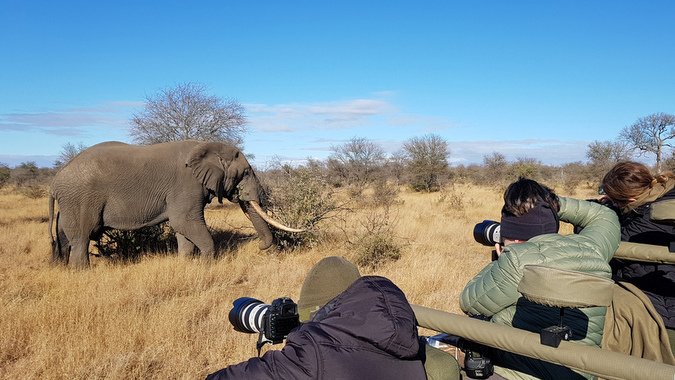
(27, 178)
(422, 165)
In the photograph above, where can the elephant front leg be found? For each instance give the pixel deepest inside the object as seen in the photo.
(79, 253)
(187, 244)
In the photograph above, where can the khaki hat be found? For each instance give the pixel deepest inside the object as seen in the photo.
(327, 278)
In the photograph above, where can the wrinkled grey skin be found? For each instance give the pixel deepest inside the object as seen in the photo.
(126, 187)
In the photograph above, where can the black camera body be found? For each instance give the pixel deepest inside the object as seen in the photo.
(281, 317)
(477, 364)
(274, 322)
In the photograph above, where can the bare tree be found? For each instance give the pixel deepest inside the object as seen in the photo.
(188, 112)
(651, 134)
(359, 161)
(427, 159)
(495, 161)
(495, 167)
(527, 167)
(603, 152)
(68, 151)
(395, 166)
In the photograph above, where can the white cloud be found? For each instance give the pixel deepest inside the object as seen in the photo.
(382, 94)
(70, 122)
(322, 116)
(424, 123)
(548, 151)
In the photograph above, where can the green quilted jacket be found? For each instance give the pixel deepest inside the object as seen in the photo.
(493, 292)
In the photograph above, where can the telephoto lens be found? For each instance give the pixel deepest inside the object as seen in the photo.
(274, 322)
(247, 315)
(487, 233)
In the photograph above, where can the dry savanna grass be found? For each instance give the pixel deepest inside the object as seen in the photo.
(167, 317)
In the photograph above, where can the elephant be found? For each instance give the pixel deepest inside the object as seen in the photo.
(113, 185)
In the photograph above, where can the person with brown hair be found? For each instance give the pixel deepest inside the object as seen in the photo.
(634, 192)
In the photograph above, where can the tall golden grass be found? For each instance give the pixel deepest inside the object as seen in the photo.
(166, 316)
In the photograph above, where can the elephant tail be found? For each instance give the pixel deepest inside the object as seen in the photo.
(57, 254)
(51, 217)
(55, 246)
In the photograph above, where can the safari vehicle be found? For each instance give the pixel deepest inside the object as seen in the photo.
(543, 285)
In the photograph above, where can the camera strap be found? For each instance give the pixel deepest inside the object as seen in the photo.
(261, 342)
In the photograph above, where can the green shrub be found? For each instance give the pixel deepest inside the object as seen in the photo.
(28, 179)
(377, 244)
(377, 249)
(300, 199)
(385, 194)
(5, 173)
(32, 190)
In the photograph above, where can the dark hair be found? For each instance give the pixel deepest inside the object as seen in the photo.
(628, 180)
(522, 195)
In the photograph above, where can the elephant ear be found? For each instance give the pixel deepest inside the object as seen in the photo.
(209, 167)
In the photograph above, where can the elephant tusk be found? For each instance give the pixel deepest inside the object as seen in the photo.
(271, 221)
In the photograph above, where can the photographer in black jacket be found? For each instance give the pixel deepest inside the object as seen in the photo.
(355, 328)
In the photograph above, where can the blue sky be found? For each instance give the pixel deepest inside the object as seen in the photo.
(528, 79)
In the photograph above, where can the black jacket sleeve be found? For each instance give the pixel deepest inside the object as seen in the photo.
(297, 360)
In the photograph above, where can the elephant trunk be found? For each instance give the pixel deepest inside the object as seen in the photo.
(259, 224)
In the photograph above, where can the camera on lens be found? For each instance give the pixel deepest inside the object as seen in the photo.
(487, 232)
(477, 363)
(273, 322)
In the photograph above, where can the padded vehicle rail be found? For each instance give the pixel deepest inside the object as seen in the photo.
(595, 361)
(644, 252)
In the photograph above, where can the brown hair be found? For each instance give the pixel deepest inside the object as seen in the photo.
(629, 179)
(523, 195)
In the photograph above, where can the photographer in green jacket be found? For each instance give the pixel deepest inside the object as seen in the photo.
(529, 235)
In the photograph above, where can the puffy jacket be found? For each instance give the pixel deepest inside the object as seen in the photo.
(366, 332)
(657, 281)
(493, 292)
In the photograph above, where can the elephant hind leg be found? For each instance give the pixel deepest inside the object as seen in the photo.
(60, 251)
(77, 224)
(61, 246)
